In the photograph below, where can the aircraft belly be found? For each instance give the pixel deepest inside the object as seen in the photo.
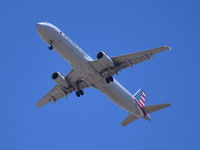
(69, 55)
(120, 96)
(77, 59)
(80, 62)
(74, 55)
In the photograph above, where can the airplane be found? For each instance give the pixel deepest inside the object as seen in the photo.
(98, 74)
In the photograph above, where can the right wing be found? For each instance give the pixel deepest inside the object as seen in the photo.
(58, 91)
(124, 61)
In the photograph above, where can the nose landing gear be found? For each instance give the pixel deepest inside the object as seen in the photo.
(51, 45)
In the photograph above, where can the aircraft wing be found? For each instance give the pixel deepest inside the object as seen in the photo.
(59, 92)
(53, 95)
(124, 61)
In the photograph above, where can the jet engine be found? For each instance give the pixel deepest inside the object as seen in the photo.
(59, 79)
(105, 59)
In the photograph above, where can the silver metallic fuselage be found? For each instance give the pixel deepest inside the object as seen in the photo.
(80, 62)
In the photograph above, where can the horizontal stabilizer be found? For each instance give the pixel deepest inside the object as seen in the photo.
(130, 118)
(153, 108)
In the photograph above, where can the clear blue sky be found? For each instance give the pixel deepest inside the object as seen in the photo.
(93, 121)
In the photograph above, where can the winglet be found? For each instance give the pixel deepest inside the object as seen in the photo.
(168, 47)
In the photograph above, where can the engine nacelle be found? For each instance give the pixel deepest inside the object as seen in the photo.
(105, 59)
(59, 79)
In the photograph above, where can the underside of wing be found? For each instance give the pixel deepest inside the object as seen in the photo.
(74, 83)
(56, 93)
(134, 58)
(124, 61)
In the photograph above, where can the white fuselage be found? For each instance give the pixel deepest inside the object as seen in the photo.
(80, 62)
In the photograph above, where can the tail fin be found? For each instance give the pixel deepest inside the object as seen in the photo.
(139, 97)
(153, 108)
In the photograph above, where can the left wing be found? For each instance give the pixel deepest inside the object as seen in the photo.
(75, 82)
(124, 61)
(53, 95)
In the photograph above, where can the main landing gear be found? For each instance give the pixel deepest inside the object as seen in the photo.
(79, 93)
(109, 79)
(51, 45)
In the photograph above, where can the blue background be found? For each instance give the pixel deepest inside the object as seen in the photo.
(93, 121)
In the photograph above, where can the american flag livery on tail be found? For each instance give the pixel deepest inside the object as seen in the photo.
(139, 97)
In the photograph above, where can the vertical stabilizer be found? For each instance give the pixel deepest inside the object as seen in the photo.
(139, 97)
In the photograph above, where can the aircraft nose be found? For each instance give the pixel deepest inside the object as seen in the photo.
(39, 26)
